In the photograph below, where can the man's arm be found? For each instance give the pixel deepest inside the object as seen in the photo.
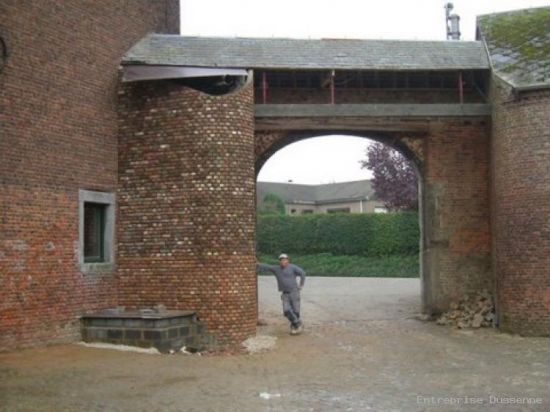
(298, 271)
(265, 266)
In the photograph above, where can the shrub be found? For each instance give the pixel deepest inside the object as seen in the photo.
(340, 234)
(326, 264)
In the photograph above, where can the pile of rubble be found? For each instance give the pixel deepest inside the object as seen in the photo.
(471, 312)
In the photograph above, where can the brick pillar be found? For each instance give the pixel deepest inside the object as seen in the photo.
(186, 204)
(521, 210)
(455, 206)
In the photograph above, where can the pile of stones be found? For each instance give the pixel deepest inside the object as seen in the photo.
(474, 311)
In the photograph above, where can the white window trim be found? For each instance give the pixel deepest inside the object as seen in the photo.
(107, 199)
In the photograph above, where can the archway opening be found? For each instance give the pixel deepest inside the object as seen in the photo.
(318, 205)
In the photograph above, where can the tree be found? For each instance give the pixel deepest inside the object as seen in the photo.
(394, 179)
(272, 204)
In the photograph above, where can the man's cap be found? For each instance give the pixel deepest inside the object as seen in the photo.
(283, 256)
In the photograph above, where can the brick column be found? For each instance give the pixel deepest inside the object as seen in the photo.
(521, 210)
(455, 206)
(186, 204)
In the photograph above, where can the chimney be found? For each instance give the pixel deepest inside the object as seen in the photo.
(452, 23)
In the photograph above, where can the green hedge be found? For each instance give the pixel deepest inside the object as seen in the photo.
(325, 264)
(340, 234)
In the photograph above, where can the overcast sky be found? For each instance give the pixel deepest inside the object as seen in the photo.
(332, 159)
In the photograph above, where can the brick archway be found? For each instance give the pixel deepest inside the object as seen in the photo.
(451, 157)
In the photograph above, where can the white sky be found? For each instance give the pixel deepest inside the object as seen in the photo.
(332, 159)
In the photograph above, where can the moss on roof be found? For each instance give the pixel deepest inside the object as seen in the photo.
(519, 44)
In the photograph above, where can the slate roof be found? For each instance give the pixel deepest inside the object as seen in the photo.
(255, 53)
(315, 194)
(518, 43)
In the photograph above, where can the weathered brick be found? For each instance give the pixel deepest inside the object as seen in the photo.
(186, 215)
(521, 209)
(58, 135)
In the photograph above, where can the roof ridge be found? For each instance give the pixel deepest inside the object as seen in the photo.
(320, 39)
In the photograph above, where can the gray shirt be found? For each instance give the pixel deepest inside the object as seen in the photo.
(286, 277)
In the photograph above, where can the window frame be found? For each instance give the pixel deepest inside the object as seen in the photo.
(107, 262)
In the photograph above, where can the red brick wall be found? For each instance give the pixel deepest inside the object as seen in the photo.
(521, 209)
(457, 255)
(58, 135)
(186, 204)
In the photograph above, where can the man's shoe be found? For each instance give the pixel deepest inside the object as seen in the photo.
(293, 330)
(299, 329)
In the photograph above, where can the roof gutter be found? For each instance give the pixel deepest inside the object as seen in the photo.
(136, 73)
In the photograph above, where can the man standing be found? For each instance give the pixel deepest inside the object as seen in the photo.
(286, 274)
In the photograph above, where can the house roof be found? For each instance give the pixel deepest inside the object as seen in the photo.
(271, 53)
(518, 43)
(315, 194)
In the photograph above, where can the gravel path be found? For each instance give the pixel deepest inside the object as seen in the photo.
(362, 350)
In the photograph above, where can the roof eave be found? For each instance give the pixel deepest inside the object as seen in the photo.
(532, 87)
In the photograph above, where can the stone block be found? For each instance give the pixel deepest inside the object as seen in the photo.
(113, 322)
(132, 323)
(161, 323)
(114, 334)
(133, 334)
(96, 334)
(154, 335)
(98, 322)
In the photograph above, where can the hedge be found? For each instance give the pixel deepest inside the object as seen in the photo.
(340, 234)
(325, 264)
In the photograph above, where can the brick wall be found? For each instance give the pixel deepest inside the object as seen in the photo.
(456, 238)
(58, 134)
(521, 209)
(186, 204)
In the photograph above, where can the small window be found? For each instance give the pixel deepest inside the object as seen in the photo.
(94, 232)
(307, 211)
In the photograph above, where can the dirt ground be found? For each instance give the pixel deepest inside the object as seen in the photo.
(363, 350)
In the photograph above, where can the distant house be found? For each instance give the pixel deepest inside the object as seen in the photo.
(345, 197)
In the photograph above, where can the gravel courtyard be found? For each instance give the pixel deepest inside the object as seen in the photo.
(363, 350)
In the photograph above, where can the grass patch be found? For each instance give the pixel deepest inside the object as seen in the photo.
(326, 264)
